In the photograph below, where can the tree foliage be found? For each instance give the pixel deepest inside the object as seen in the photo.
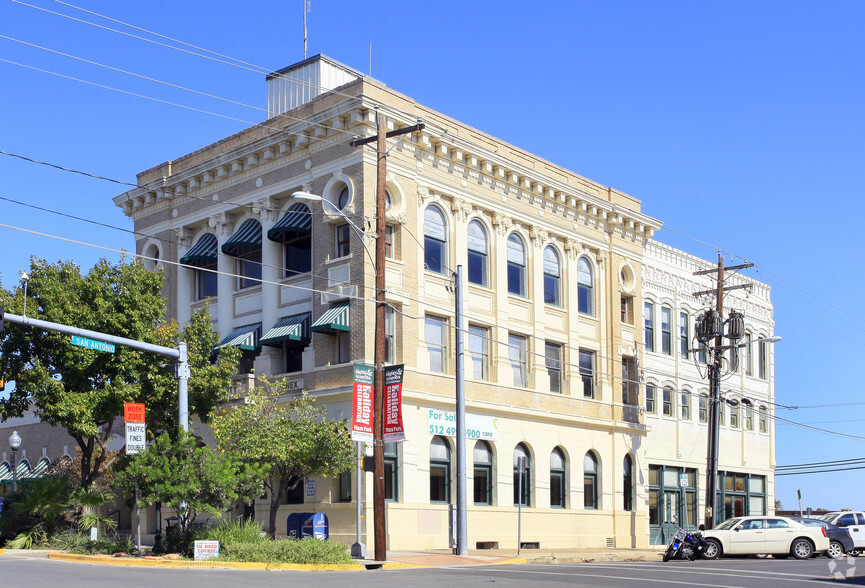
(191, 478)
(287, 434)
(83, 390)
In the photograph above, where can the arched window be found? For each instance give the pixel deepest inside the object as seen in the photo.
(516, 265)
(590, 481)
(478, 257)
(628, 483)
(435, 240)
(522, 491)
(439, 470)
(483, 473)
(552, 278)
(557, 479)
(585, 287)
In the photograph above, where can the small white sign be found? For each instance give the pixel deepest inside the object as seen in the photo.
(683, 480)
(206, 550)
(310, 488)
(136, 438)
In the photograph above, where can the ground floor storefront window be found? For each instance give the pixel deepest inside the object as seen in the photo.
(672, 499)
(740, 495)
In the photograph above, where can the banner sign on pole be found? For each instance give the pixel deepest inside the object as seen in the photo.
(133, 412)
(394, 431)
(362, 414)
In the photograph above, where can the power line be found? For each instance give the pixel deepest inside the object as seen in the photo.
(66, 169)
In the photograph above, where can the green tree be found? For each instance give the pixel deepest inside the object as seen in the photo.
(83, 390)
(285, 433)
(191, 478)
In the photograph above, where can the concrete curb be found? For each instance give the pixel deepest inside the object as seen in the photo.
(168, 563)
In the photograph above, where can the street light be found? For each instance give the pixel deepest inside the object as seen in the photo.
(358, 549)
(14, 443)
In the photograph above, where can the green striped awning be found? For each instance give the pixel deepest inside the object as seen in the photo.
(296, 219)
(204, 250)
(244, 337)
(5, 472)
(6, 476)
(40, 469)
(291, 328)
(335, 319)
(248, 236)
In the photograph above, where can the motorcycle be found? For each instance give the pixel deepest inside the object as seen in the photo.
(686, 545)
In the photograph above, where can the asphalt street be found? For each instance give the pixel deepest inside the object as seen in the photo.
(746, 573)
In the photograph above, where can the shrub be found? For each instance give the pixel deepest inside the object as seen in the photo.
(305, 551)
(232, 531)
(75, 541)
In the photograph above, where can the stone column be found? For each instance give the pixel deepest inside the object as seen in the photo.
(271, 271)
(225, 281)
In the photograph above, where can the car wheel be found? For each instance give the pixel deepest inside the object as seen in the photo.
(801, 549)
(761, 555)
(713, 549)
(853, 552)
(835, 550)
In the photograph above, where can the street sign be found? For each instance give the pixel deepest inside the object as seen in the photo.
(136, 438)
(92, 344)
(133, 412)
(683, 480)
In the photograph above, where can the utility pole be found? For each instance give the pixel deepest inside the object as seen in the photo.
(462, 511)
(379, 523)
(711, 325)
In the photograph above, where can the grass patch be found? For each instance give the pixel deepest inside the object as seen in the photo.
(290, 551)
(232, 531)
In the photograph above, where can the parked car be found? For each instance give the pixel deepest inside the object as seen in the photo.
(779, 536)
(853, 521)
(840, 541)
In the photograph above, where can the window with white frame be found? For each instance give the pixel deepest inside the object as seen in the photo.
(436, 343)
(558, 492)
(749, 355)
(479, 351)
(764, 360)
(684, 334)
(630, 380)
(668, 402)
(666, 330)
(478, 256)
(703, 409)
(585, 287)
(389, 334)
(516, 265)
(650, 398)
(749, 417)
(552, 278)
(435, 240)
(587, 372)
(764, 419)
(518, 356)
(685, 405)
(649, 328)
(439, 471)
(343, 240)
(553, 360)
(734, 416)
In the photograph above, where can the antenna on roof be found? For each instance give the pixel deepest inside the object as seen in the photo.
(307, 7)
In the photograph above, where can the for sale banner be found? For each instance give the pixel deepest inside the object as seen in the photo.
(393, 426)
(362, 414)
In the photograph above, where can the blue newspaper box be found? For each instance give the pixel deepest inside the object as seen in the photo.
(295, 523)
(315, 526)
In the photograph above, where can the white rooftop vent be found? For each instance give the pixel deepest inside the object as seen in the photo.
(300, 83)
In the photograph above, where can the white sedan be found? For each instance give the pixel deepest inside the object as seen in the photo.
(779, 536)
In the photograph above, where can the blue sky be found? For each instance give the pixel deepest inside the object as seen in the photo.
(738, 124)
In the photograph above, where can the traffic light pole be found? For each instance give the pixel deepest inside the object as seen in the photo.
(177, 353)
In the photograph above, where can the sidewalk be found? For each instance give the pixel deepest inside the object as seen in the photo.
(396, 559)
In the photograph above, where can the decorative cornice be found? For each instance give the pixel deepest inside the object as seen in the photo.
(221, 223)
(502, 223)
(461, 209)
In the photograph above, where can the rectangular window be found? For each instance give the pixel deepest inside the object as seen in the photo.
(553, 357)
(293, 357)
(249, 269)
(734, 416)
(587, 372)
(764, 419)
(343, 347)
(391, 473)
(345, 487)
(627, 310)
(764, 360)
(436, 343)
(629, 381)
(650, 399)
(685, 405)
(749, 417)
(205, 281)
(684, 334)
(666, 330)
(701, 354)
(703, 409)
(721, 419)
(668, 402)
(343, 240)
(389, 335)
(479, 350)
(518, 357)
(749, 356)
(649, 319)
(297, 250)
(388, 242)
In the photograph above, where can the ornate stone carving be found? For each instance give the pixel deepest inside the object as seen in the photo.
(539, 237)
(574, 248)
(602, 258)
(221, 223)
(266, 208)
(184, 236)
(422, 194)
(502, 223)
(461, 209)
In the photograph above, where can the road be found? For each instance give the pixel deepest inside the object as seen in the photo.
(745, 573)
